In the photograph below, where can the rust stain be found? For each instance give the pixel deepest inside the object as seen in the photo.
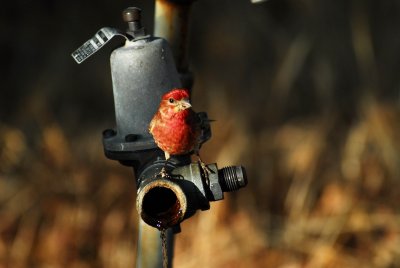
(167, 8)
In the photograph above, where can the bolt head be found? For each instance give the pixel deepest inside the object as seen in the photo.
(131, 14)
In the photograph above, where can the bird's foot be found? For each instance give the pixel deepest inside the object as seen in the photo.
(206, 171)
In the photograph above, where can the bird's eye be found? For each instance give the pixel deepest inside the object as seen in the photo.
(171, 100)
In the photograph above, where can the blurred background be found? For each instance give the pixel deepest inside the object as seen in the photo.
(305, 95)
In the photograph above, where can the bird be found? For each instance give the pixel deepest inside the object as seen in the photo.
(176, 128)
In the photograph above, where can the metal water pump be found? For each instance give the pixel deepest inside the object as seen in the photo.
(142, 70)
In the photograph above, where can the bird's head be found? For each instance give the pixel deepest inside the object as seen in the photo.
(175, 101)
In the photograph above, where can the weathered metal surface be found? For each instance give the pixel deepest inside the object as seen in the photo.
(164, 202)
(142, 71)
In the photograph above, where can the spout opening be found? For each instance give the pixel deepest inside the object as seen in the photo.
(162, 204)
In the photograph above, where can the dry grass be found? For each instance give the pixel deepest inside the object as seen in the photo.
(324, 203)
(58, 211)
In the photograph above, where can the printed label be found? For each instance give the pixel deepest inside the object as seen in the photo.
(95, 43)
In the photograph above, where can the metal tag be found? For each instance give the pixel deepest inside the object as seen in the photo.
(95, 43)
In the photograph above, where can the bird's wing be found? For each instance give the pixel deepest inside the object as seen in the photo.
(151, 125)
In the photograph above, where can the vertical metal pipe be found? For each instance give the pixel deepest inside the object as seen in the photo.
(149, 248)
(172, 23)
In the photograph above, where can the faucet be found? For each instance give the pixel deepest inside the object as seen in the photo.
(142, 70)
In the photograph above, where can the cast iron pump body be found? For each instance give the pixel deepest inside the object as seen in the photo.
(143, 70)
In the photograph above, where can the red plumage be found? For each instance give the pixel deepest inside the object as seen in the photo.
(174, 126)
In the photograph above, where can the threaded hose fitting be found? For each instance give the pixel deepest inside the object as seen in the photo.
(232, 178)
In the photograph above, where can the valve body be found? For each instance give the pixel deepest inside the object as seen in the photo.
(142, 71)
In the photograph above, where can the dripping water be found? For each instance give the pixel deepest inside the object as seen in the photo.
(162, 225)
(163, 236)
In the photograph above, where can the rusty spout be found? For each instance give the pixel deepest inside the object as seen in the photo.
(161, 203)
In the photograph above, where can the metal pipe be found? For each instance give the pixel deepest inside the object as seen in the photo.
(164, 202)
(172, 23)
(161, 203)
(149, 253)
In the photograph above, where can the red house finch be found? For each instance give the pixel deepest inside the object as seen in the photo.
(175, 127)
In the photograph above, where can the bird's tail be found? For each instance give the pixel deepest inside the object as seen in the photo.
(205, 128)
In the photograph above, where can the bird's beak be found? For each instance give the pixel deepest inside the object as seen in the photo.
(184, 104)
